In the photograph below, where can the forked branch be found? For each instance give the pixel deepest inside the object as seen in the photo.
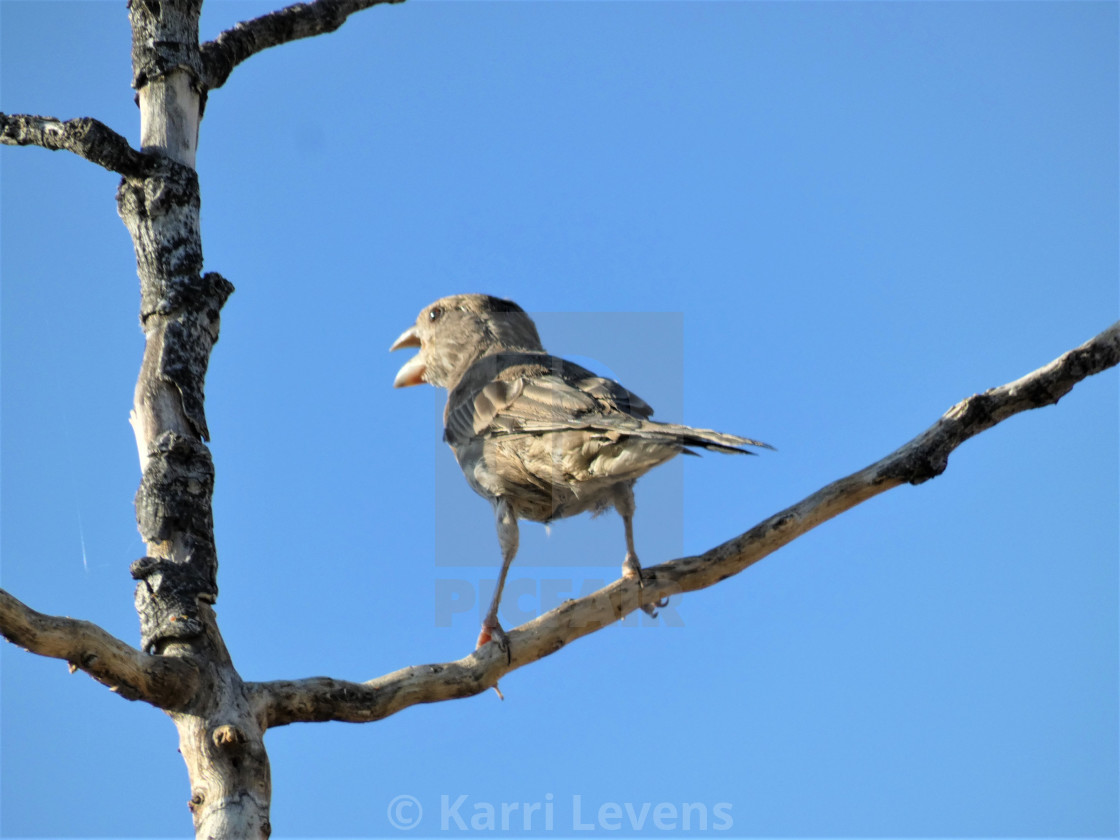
(926, 456)
(163, 681)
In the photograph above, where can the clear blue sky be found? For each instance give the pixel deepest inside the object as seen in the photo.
(845, 217)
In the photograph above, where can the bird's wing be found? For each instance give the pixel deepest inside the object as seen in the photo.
(609, 394)
(511, 394)
(534, 393)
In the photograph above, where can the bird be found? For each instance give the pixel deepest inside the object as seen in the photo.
(540, 437)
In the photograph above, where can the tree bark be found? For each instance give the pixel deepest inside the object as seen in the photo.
(303, 20)
(163, 681)
(184, 666)
(84, 136)
(219, 736)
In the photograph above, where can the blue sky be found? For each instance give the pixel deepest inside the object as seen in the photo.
(818, 224)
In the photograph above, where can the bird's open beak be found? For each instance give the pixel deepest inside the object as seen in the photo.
(413, 371)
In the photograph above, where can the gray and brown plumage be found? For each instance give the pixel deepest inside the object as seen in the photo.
(538, 436)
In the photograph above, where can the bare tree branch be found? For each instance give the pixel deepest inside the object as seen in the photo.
(84, 136)
(165, 682)
(303, 20)
(926, 456)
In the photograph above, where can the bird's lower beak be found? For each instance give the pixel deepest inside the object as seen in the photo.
(412, 373)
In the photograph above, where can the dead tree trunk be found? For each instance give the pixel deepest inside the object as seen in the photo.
(219, 738)
(184, 666)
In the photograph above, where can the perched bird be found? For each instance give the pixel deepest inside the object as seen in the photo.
(538, 436)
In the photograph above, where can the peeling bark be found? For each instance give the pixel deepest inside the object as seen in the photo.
(167, 74)
(173, 513)
(164, 38)
(220, 738)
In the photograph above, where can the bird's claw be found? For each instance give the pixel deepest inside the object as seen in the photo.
(652, 608)
(632, 570)
(492, 632)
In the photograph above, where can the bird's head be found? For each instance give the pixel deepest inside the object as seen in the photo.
(455, 332)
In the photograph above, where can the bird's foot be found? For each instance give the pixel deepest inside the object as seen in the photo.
(632, 570)
(492, 632)
(652, 608)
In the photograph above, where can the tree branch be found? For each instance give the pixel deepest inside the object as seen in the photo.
(926, 456)
(165, 682)
(303, 20)
(84, 136)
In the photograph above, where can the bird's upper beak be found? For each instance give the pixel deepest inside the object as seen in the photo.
(412, 373)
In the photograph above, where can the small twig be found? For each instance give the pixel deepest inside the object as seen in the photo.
(323, 698)
(303, 20)
(84, 136)
(165, 682)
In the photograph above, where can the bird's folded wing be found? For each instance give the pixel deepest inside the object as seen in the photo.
(515, 393)
(534, 394)
(525, 404)
(609, 393)
(539, 405)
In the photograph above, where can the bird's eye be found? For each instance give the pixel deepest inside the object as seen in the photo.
(434, 313)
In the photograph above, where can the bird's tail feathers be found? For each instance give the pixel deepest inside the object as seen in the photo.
(650, 430)
(702, 438)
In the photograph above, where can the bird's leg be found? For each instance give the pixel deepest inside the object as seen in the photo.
(506, 521)
(624, 504)
(631, 567)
